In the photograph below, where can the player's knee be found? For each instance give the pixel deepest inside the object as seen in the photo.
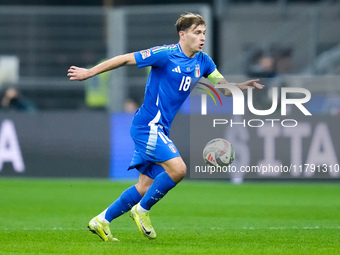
(142, 188)
(175, 168)
(180, 171)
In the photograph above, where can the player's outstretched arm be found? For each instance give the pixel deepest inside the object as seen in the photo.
(79, 74)
(217, 78)
(243, 86)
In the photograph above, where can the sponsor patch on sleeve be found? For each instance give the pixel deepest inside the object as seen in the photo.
(145, 53)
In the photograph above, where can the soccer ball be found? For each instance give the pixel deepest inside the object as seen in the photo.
(218, 152)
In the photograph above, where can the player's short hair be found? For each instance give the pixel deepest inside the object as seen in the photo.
(187, 20)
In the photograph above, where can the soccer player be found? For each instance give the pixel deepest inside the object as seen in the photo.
(175, 70)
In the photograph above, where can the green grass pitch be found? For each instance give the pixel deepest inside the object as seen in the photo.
(45, 216)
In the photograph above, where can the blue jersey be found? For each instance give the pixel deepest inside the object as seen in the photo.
(173, 75)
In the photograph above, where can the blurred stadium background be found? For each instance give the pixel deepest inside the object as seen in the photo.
(65, 146)
(51, 127)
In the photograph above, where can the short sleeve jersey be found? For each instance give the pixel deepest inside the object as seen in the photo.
(173, 75)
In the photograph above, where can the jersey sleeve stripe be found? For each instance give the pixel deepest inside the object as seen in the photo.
(164, 48)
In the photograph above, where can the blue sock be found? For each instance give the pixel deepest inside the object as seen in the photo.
(160, 186)
(123, 204)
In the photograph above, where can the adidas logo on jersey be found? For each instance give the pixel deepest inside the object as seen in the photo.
(177, 70)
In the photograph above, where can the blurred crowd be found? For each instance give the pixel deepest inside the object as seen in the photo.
(13, 100)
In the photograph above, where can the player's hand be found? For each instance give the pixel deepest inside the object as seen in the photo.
(250, 84)
(78, 73)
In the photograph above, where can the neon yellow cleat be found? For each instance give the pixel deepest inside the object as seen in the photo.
(101, 229)
(143, 223)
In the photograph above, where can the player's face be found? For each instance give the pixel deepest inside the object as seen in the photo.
(194, 38)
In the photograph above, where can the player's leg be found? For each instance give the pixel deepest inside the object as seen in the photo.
(153, 145)
(142, 219)
(100, 224)
(175, 168)
(175, 171)
(143, 184)
(127, 199)
(171, 172)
